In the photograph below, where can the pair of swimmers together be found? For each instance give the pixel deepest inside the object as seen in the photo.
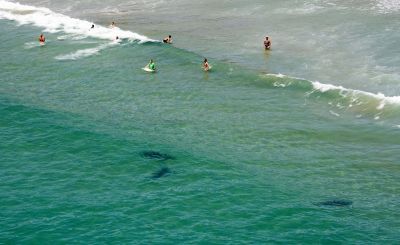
(111, 26)
(42, 39)
(152, 66)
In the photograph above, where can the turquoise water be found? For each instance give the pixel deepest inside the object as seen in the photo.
(94, 150)
(349, 43)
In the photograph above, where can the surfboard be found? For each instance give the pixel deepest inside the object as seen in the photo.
(148, 69)
(209, 68)
(42, 43)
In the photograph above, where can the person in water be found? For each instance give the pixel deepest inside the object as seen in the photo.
(168, 39)
(112, 24)
(206, 66)
(42, 39)
(267, 43)
(151, 65)
(92, 26)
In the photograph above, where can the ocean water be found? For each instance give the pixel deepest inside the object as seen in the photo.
(297, 145)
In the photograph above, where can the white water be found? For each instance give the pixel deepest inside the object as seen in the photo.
(54, 22)
(82, 53)
(77, 29)
(388, 6)
(352, 94)
(356, 94)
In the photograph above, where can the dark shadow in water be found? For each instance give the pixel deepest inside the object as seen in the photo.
(164, 171)
(155, 155)
(335, 203)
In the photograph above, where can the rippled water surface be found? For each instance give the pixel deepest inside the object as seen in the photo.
(95, 150)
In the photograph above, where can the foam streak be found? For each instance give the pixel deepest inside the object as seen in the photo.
(54, 22)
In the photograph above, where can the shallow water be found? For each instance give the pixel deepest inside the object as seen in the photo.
(93, 149)
(353, 44)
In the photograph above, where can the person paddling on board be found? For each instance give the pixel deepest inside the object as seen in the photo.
(151, 65)
(206, 66)
(168, 39)
(42, 39)
(267, 43)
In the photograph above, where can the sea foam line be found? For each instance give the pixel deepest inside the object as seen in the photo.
(82, 53)
(387, 6)
(346, 92)
(353, 94)
(55, 22)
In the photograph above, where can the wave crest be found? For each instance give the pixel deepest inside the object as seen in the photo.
(366, 103)
(55, 22)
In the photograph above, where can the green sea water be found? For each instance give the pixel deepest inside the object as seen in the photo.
(95, 150)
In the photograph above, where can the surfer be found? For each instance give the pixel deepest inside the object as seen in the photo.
(206, 66)
(112, 24)
(42, 39)
(151, 65)
(92, 26)
(168, 39)
(267, 43)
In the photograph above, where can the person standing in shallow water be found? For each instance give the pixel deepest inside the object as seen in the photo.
(42, 39)
(267, 43)
(206, 66)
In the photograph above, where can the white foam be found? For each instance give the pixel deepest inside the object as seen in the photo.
(387, 6)
(345, 92)
(30, 45)
(353, 94)
(82, 53)
(279, 83)
(304, 10)
(71, 37)
(334, 113)
(381, 105)
(326, 87)
(54, 22)
(276, 75)
(282, 85)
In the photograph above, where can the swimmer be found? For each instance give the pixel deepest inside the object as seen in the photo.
(267, 43)
(206, 66)
(151, 65)
(42, 39)
(168, 39)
